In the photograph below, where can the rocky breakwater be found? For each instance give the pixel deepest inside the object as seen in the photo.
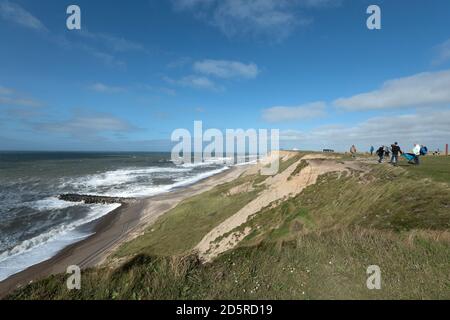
(89, 199)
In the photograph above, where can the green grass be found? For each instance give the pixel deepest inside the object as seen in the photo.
(289, 162)
(183, 227)
(436, 168)
(316, 245)
(384, 199)
(328, 265)
(303, 164)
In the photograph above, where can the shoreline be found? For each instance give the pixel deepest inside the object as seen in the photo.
(113, 229)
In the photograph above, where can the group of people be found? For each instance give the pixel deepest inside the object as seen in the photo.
(385, 152)
(394, 151)
(413, 157)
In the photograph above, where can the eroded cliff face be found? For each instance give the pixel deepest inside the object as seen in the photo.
(285, 184)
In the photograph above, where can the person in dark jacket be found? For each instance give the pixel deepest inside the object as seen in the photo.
(395, 148)
(380, 153)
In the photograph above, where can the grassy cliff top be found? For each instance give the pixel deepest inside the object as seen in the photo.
(314, 245)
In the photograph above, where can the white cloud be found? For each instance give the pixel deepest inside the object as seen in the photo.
(158, 89)
(103, 88)
(84, 124)
(273, 18)
(179, 62)
(320, 3)
(222, 69)
(430, 128)
(18, 15)
(9, 97)
(420, 90)
(5, 91)
(255, 18)
(114, 43)
(442, 53)
(111, 44)
(17, 101)
(196, 82)
(189, 4)
(106, 58)
(227, 69)
(15, 105)
(297, 113)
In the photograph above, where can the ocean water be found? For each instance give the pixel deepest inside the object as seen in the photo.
(35, 225)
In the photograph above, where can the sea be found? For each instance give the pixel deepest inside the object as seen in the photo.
(35, 225)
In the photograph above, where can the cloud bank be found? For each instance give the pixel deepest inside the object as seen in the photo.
(430, 128)
(421, 90)
(275, 19)
(227, 69)
(442, 53)
(16, 14)
(297, 113)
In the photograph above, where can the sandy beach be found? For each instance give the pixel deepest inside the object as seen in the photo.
(113, 229)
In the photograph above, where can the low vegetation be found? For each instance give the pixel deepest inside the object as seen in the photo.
(303, 164)
(184, 226)
(329, 265)
(316, 245)
(431, 167)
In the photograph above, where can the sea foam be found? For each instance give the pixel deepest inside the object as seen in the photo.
(48, 244)
(128, 182)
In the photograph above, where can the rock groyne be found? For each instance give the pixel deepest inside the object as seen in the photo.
(89, 199)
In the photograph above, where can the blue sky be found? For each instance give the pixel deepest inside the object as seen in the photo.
(138, 70)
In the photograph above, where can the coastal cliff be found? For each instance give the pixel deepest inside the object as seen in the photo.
(309, 232)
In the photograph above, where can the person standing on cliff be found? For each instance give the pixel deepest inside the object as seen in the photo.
(395, 152)
(353, 151)
(416, 152)
(380, 153)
